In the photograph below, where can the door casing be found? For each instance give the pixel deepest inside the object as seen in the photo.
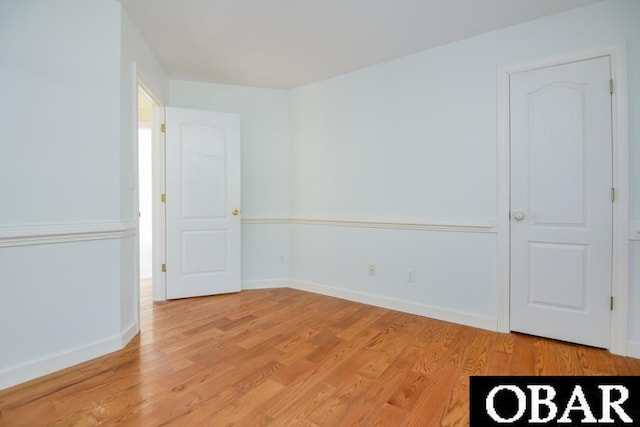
(159, 286)
(620, 141)
(157, 188)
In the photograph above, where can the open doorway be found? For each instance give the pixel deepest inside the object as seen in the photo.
(150, 186)
(144, 182)
(145, 198)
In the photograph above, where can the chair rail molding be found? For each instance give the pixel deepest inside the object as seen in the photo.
(444, 224)
(42, 234)
(252, 220)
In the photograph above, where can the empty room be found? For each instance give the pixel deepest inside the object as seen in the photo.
(319, 213)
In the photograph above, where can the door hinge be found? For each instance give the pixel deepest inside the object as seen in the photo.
(163, 128)
(611, 304)
(164, 268)
(613, 194)
(163, 198)
(611, 86)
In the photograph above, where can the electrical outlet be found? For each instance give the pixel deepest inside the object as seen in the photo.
(372, 270)
(411, 275)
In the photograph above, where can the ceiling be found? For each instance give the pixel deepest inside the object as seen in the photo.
(289, 43)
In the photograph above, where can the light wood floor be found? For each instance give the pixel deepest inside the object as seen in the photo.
(285, 357)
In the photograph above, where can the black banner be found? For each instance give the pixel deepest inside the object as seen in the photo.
(526, 401)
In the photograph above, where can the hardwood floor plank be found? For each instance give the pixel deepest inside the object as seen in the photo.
(332, 410)
(456, 412)
(522, 360)
(368, 316)
(388, 415)
(364, 409)
(568, 363)
(594, 361)
(501, 354)
(230, 414)
(302, 388)
(283, 357)
(302, 407)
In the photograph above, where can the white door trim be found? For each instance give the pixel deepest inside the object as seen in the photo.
(620, 264)
(158, 279)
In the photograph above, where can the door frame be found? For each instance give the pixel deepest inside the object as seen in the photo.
(158, 279)
(620, 141)
(159, 284)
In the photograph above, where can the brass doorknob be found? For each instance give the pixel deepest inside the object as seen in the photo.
(235, 212)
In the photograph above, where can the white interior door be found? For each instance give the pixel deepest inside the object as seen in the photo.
(561, 202)
(202, 203)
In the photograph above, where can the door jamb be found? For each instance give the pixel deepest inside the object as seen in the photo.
(157, 188)
(620, 141)
(159, 214)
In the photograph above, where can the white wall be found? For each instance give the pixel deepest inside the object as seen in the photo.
(137, 63)
(68, 69)
(58, 88)
(149, 69)
(265, 170)
(454, 272)
(60, 306)
(634, 295)
(59, 175)
(414, 140)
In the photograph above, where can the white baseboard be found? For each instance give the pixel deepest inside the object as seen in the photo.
(264, 284)
(27, 371)
(128, 334)
(633, 349)
(468, 319)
